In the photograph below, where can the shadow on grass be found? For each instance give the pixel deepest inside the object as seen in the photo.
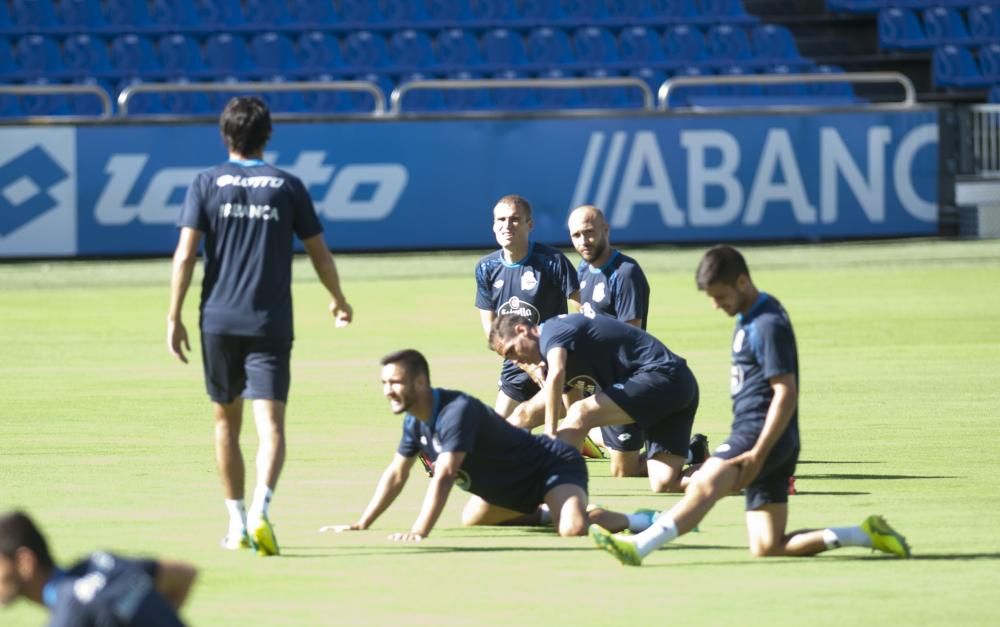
(839, 461)
(865, 557)
(310, 552)
(829, 493)
(852, 476)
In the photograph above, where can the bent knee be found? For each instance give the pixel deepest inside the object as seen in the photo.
(664, 485)
(764, 548)
(574, 528)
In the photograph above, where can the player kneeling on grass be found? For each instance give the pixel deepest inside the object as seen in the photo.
(509, 472)
(103, 589)
(760, 454)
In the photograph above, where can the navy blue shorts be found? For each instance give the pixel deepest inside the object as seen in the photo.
(516, 383)
(623, 438)
(564, 466)
(251, 367)
(771, 485)
(663, 404)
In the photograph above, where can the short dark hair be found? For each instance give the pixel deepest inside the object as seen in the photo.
(18, 531)
(413, 362)
(245, 124)
(518, 202)
(720, 264)
(503, 327)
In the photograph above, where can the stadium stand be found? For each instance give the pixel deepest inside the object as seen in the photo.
(944, 45)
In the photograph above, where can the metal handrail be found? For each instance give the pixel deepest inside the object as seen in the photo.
(909, 92)
(260, 86)
(61, 90)
(396, 97)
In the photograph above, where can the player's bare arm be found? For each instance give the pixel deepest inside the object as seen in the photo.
(389, 486)
(326, 270)
(486, 317)
(174, 580)
(554, 384)
(185, 257)
(445, 472)
(779, 413)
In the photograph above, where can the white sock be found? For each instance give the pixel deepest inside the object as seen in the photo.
(261, 501)
(836, 537)
(237, 516)
(544, 515)
(663, 530)
(639, 521)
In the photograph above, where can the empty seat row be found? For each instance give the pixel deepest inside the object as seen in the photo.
(966, 68)
(233, 15)
(874, 6)
(266, 54)
(902, 29)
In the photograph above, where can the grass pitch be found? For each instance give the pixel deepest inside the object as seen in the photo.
(108, 442)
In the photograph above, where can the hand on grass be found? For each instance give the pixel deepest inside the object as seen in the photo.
(341, 528)
(406, 536)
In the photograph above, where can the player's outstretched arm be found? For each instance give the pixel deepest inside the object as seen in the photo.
(779, 413)
(388, 488)
(185, 257)
(174, 580)
(555, 381)
(326, 270)
(445, 472)
(486, 317)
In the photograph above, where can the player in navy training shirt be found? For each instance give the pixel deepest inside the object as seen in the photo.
(509, 472)
(248, 213)
(761, 452)
(103, 590)
(624, 376)
(524, 278)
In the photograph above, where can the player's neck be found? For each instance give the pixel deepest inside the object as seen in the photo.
(598, 262)
(424, 406)
(257, 156)
(515, 252)
(33, 589)
(751, 299)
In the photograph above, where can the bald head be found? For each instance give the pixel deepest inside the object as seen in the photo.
(589, 232)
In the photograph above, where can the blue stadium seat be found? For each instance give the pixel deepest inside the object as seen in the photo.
(404, 13)
(774, 44)
(954, 66)
(10, 106)
(226, 54)
(34, 14)
(857, 6)
(945, 26)
(684, 45)
(366, 50)
(729, 45)
(677, 11)
(989, 62)
(145, 103)
(448, 11)
(8, 66)
(984, 23)
(364, 102)
(44, 104)
(412, 49)
(360, 13)
(272, 53)
(835, 91)
(514, 98)
(901, 29)
(687, 96)
(4, 18)
(465, 99)
(739, 91)
(133, 55)
(186, 102)
(319, 52)
(493, 10)
(595, 45)
(80, 15)
(180, 55)
(630, 10)
(608, 97)
(216, 15)
(284, 101)
(38, 55)
(127, 15)
(326, 102)
(540, 10)
(423, 99)
(174, 15)
(796, 90)
(558, 98)
(503, 47)
(87, 104)
(638, 45)
(994, 95)
(459, 48)
(583, 12)
(654, 77)
(266, 14)
(312, 14)
(549, 46)
(726, 11)
(86, 55)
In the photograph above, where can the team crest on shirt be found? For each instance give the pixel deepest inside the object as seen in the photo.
(529, 281)
(735, 380)
(497, 284)
(738, 340)
(599, 292)
(588, 310)
(587, 386)
(624, 437)
(436, 444)
(515, 306)
(583, 285)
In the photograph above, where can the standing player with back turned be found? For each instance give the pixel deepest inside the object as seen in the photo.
(248, 213)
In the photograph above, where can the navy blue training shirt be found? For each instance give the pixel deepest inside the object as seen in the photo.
(499, 458)
(763, 347)
(602, 351)
(618, 289)
(106, 590)
(535, 287)
(249, 212)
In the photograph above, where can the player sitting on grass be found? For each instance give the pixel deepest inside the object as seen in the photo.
(103, 589)
(761, 452)
(509, 472)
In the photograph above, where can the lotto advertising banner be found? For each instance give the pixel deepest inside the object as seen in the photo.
(421, 184)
